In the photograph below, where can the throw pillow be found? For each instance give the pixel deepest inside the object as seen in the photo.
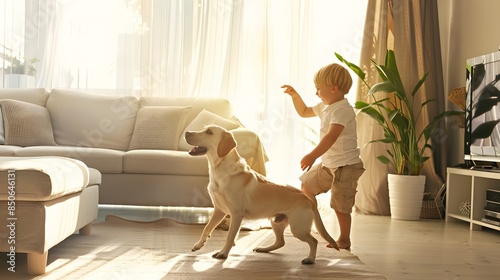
(158, 127)
(26, 124)
(203, 119)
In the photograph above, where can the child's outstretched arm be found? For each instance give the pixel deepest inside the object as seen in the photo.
(298, 103)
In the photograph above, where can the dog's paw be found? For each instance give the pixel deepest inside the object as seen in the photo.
(219, 255)
(307, 261)
(197, 246)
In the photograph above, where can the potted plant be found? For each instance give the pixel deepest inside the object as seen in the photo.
(21, 66)
(396, 115)
(21, 71)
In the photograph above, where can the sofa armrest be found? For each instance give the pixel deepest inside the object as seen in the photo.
(251, 149)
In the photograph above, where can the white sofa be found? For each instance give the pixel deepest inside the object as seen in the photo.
(137, 144)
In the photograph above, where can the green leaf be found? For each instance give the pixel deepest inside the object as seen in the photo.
(380, 72)
(399, 120)
(419, 84)
(385, 140)
(384, 159)
(427, 101)
(395, 81)
(352, 66)
(374, 114)
(390, 63)
(361, 104)
(385, 86)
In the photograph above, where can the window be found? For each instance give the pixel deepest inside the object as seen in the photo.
(242, 50)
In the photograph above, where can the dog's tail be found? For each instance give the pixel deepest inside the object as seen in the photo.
(318, 222)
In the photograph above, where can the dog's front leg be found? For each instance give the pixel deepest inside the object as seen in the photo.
(214, 221)
(234, 228)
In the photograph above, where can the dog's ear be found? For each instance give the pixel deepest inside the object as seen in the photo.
(226, 144)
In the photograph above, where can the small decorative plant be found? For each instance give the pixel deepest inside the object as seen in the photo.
(21, 66)
(395, 114)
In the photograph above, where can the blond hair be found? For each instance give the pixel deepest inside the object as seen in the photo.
(334, 75)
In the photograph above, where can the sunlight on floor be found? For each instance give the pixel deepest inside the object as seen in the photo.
(202, 264)
(244, 246)
(334, 262)
(234, 261)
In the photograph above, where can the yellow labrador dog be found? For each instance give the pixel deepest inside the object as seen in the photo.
(237, 190)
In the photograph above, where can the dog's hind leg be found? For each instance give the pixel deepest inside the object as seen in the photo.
(279, 225)
(234, 228)
(216, 218)
(301, 229)
(313, 246)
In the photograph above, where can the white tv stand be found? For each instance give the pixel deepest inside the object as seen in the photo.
(469, 185)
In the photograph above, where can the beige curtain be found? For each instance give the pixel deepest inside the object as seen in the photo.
(411, 29)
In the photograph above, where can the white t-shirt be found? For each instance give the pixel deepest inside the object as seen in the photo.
(345, 150)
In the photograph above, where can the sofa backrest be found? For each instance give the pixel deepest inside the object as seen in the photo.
(218, 106)
(84, 119)
(36, 96)
(90, 120)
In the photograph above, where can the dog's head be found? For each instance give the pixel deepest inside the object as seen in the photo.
(212, 139)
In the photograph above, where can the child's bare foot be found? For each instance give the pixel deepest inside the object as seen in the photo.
(343, 244)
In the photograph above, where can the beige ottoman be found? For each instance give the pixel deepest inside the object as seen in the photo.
(43, 200)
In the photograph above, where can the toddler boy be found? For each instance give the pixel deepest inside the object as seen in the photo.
(341, 164)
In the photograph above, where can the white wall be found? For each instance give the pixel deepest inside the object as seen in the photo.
(468, 29)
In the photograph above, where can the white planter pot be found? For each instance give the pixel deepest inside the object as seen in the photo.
(405, 196)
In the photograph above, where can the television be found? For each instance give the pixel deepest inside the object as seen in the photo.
(482, 110)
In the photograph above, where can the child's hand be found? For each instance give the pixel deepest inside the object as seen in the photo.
(289, 90)
(307, 162)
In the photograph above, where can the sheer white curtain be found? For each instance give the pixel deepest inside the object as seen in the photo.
(242, 50)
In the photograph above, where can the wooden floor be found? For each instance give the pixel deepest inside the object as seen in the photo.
(424, 249)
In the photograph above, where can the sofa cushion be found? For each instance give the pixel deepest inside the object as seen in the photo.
(205, 118)
(42, 178)
(90, 120)
(7, 150)
(164, 162)
(104, 160)
(218, 106)
(36, 96)
(158, 127)
(26, 124)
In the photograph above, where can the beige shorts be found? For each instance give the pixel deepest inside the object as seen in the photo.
(342, 181)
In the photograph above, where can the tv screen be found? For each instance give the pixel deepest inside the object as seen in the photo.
(482, 113)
